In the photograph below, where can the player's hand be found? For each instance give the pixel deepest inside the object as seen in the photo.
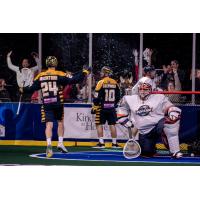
(175, 71)
(9, 54)
(34, 55)
(125, 122)
(128, 124)
(135, 52)
(174, 113)
(86, 69)
(95, 109)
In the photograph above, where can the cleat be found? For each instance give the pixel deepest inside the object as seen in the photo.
(49, 152)
(100, 146)
(177, 155)
(116, 146)
(62, 148)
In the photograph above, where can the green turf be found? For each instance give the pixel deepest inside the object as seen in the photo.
(20, 155)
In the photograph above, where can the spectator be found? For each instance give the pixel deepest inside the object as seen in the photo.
(126, 82)
(4, 95)
(170, 82)
(66, 93)
(176, 69)
(197, 85)
(35, 97)
(25, 73)
(174, 86)
(147, 54)
(68, 88)
(136, 65)
(84, 92)
(168, 76)
(197, 80)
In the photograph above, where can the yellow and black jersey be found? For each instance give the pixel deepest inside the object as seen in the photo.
(107, 93)
(51, 83)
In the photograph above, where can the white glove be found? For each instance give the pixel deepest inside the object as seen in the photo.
(174, 113)
(124, 121)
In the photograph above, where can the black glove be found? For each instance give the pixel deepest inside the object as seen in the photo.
(95, 109)
(86, 69)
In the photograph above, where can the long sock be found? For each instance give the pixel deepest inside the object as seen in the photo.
(48, 141)
(101, 140)
(60, 140)
(114, 140)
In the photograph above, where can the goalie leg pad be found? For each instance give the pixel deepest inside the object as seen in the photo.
(171, 131)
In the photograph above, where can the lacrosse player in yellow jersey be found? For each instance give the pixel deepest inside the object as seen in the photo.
(51, 83)
(107, 95)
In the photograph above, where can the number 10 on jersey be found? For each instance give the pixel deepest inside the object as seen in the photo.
(109, 95)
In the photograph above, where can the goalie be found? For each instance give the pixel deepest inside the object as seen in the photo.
(153, 115)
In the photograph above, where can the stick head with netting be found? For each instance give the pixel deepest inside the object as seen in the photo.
(131, 149)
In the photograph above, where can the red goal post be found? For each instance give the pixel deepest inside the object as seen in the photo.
(181, 97)
(175, 92)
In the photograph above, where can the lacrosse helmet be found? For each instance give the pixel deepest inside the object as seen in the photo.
(145, 87)
(51, 61)
(106, 71)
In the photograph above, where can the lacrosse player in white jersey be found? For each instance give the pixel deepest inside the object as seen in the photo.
(152, 115)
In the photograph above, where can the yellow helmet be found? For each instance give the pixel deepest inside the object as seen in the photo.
(51, 61)
(106, 71)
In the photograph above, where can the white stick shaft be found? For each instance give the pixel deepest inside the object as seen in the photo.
(19, 105)
(20, 99)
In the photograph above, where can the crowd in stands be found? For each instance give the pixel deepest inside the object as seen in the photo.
(169, 77)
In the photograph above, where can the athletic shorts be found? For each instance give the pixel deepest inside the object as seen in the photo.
(148, 141)
(51, 113)
(106, 115)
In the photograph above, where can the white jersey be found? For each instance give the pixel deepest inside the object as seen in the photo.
(25, 76)
(135, 87)
(145, 114)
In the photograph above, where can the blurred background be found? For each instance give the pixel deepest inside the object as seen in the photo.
(108, 49)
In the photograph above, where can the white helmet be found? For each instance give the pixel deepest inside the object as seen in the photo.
(145, 87)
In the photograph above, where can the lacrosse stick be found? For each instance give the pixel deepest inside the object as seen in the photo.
(26, 77)
(132, 148)
(20, 100)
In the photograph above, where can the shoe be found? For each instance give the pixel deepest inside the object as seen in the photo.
(116, 146)
(177, 155)
(62, 148)
(49, 151)
(100, 146)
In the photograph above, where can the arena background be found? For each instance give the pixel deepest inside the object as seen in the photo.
(73, 50)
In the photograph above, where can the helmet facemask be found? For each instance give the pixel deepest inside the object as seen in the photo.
(144, 90)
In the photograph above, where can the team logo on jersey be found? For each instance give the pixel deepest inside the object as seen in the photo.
(143, 110)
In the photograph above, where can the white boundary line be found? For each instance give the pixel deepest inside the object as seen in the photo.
(132, 161)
